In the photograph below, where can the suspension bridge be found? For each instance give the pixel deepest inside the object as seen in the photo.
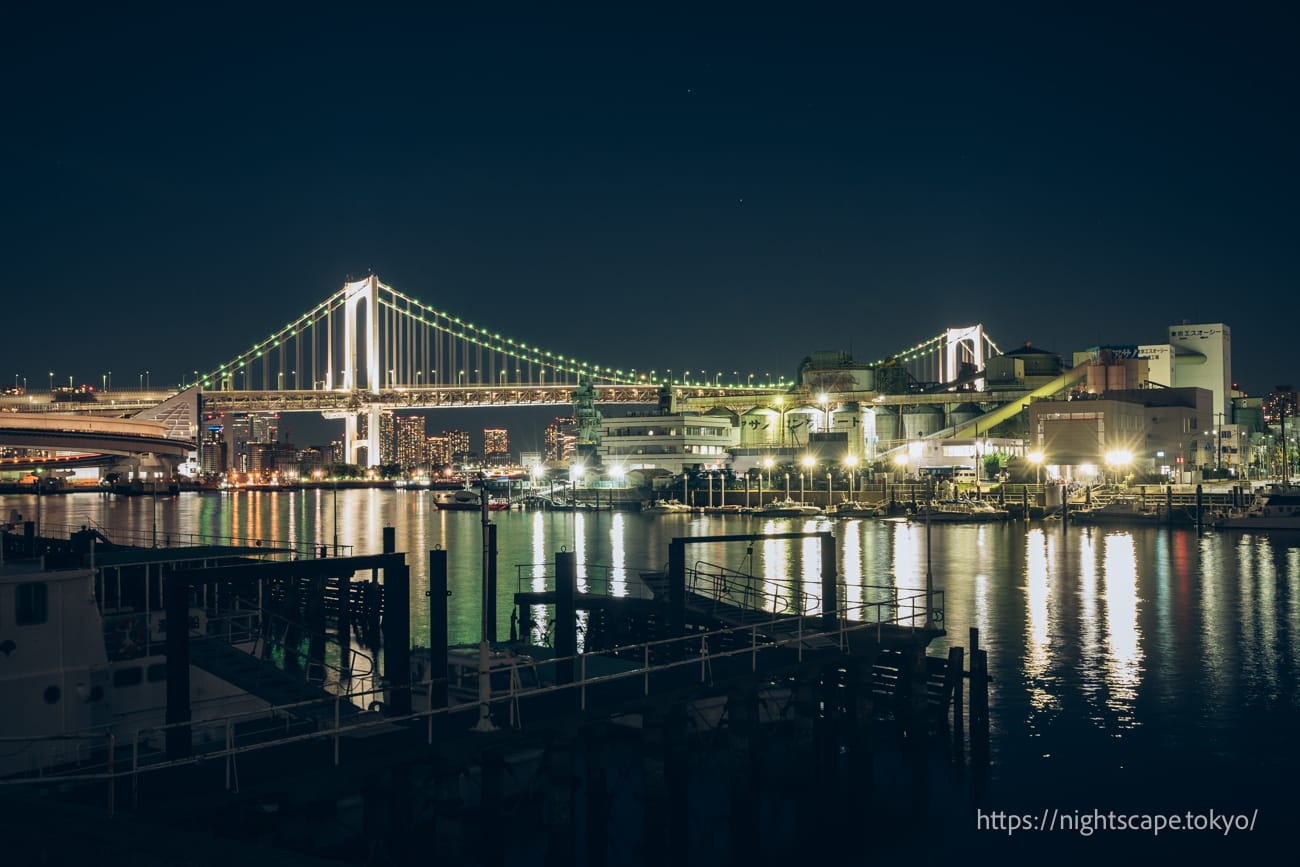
(370, 348)
(369, 337)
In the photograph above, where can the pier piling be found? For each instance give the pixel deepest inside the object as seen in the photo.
(397, 636)
(437, 627)
(565, 640)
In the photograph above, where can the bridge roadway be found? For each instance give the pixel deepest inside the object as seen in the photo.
(694, 397)
(89, 434)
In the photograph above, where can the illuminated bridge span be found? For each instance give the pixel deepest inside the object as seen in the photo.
(370, 337)
(369, 347)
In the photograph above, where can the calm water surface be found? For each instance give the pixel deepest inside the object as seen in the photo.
(1149, 669)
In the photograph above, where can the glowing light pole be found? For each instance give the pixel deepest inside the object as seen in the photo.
(852, 463)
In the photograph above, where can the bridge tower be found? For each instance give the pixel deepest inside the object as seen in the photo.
(956, 338)
(354, 293)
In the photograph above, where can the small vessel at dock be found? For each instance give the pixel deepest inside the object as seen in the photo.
(1123, 510)
(959, 511)
(1276, 507)
(666, 507)
(854, 509)
(787, 509)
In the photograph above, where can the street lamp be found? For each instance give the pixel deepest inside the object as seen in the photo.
(1119, 459)
(1036, 458)
(764, 476)
(51, 382)
(852, 463)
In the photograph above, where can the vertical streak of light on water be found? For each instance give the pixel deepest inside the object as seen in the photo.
(1123, 638)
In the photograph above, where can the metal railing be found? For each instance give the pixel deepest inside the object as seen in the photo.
(169, 539)
(227, 738)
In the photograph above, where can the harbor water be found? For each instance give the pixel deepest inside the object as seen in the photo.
(1136, 672)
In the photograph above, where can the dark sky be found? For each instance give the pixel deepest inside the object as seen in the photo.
(649, 188)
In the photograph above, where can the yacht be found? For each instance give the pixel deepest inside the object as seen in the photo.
(959, 511)
(854, 509)
(1122, 510)
(666, 507)
(1276, 507)
(787, 509)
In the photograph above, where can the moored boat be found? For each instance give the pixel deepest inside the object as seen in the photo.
(787, 509)
(1276, 507)
(959, 511)
(1120, 510)
(854, 509)
(666, 507)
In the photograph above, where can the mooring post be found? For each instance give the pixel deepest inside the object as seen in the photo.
(565, 640)
(979, 700)
(343, 627)
(1200, 507)
(438, 627)
(397, 636)
(316, 627)
(490, 595)
(957, 674)
(176, 596)
(1169, 504)
(830, 584)
(676, 594)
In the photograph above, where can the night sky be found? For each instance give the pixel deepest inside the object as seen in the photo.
(649, 188)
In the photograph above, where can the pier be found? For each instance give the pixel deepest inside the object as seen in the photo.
(687, 700)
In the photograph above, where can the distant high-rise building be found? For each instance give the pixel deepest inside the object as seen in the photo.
(559, 439)
(264, 427)
(496, 445)
(387, 440)
(457, 445)
(410, 450)
(436, 453)
(1282, 402)
(212, 449)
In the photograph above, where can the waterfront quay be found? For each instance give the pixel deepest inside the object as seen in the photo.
(664, 719)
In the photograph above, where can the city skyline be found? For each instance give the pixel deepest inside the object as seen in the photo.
(712, 193)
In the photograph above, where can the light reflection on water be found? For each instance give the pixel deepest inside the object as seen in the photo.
(1109, 644)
